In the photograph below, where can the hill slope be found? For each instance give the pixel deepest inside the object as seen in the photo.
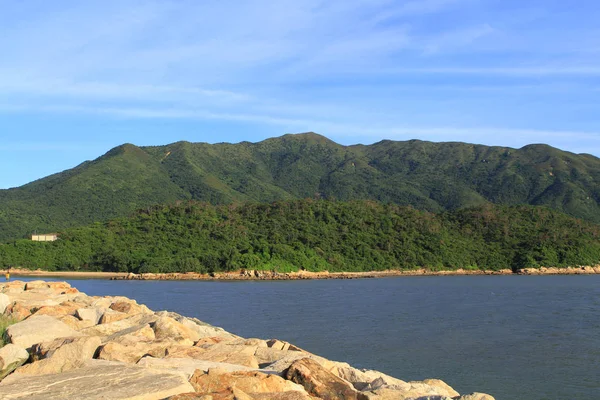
(316, 235)
(428, 176)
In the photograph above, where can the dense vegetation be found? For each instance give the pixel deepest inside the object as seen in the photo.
(428, 176)
(316, 235)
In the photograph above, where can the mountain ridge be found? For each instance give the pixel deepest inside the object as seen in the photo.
(426, 175)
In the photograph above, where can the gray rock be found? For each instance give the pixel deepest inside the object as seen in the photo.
(98, 380)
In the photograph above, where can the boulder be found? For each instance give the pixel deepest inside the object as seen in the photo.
(228, 394)
(132, 352)
(267, 356)
(4, 302)
(208, 341)
(167, 327)
(91, 314)
(278, 344)
(106, 330)
(112, 316)
(441, 387)
(217, 379)
(129, 307)
(60, 355)
(11, 358)
(17, 311)
(476, 396)
(65, 308)
(231, 353)
(187, 366)
(33, 285)
(12, 287)
(98, 380)
(202, 328)
(321, 383)
(75, 322)
(38, 329)
(184, 352)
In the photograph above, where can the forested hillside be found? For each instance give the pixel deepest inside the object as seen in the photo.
(316, 235)
(428, 176)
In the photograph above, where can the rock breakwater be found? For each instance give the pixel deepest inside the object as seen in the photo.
(63, 344)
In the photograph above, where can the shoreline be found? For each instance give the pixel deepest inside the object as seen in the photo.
(254, 275)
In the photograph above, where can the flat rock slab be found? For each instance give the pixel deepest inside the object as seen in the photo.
(187, 366)
(38, 329)
(98, 381)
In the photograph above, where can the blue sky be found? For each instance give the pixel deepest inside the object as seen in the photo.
(80, 77)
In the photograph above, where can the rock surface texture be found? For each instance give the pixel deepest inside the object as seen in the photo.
(67, 345)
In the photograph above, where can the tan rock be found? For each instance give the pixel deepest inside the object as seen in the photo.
(187, 366)
(185, 352)
(17, 311)
(131, 353)
(66, 308)
(167, 327)
(38, 329)
(75, 322)
(127, 307)
(32, 285)
(59, 286)
(266, 356)
(60, 355)
(321, 383)
(442, 387)
(207, 342)
(217, 379)
(11, 358)
(232, 354)
(4, 302)
(133, 322)
(278, 344)
(98, 380)
(112, 316)
(12, 287)
(91, 314)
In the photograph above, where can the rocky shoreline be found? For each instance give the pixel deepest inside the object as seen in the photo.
(302, 275)
(63, 344)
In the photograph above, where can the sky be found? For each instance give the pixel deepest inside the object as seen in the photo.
(78, 78)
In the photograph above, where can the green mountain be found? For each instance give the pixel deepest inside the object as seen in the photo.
(316, 235)
(428, 176)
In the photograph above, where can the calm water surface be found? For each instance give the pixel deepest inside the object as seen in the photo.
(515, 337)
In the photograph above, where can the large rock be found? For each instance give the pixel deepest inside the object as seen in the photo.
(4, 302)
(106, 330)
(132, 352)
(202, 328)
(250, 382)
(66, 308)
(476, 396)
(60, 355)
(231, 353)
(112, 316)
(91, 314)
(187, 366)
(98, 380)
(321, 383)
(17, 311)
(38, 329)
(11, 358)
(167, 327)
